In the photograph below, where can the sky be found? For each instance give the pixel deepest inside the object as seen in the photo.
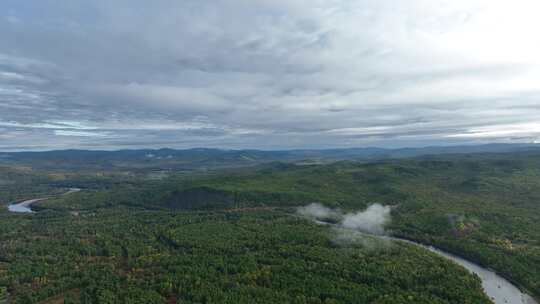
(267, 74)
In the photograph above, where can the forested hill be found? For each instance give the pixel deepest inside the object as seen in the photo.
(204, 159)
(130, 236)
(482, 206)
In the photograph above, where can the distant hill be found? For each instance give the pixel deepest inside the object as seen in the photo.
(206, 159)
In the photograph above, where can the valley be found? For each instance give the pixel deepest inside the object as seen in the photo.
(232, 234)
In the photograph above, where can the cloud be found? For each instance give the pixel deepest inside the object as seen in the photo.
(48, 125)
(81, 133)
(269, 74)
(363, 228)
(372, 220)
(169, 98)
(524, 129)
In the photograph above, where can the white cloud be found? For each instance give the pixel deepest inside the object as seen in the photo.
(82, 133)
(531, 130)
(48, 125)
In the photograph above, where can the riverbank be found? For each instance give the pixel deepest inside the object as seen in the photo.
(497, 288)
(453, 252)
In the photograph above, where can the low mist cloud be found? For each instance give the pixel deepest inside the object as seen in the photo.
(371, 220)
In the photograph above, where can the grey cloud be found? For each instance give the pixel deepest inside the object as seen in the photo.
(257, 74)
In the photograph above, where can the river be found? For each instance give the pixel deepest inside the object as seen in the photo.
(26, 206)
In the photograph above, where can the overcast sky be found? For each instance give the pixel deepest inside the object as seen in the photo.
(267, 74)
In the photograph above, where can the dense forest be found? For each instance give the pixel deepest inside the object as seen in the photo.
(232, 235)
(127, 256)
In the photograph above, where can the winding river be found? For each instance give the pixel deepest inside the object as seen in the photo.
(26, 206)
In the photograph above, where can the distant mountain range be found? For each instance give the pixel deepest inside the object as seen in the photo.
(203, 158)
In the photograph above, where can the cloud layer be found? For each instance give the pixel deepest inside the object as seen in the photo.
(267, 74)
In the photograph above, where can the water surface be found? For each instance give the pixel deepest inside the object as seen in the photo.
(26, 206)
